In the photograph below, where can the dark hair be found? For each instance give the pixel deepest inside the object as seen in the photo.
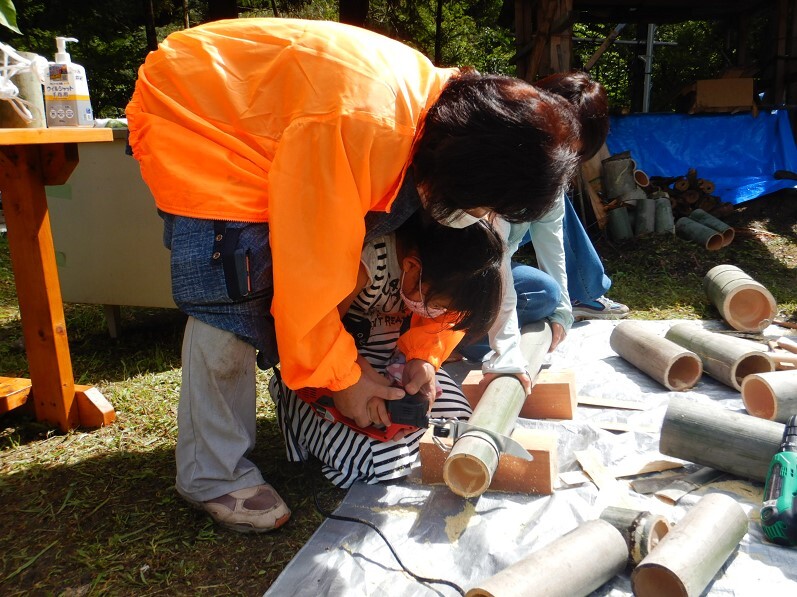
(459, 264)
(591, 104)
(496, 142)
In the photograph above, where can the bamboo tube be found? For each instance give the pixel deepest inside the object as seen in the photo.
(744, 303)
(665, 223)
(725, 358)
(787, 344)
(473, 459)
(620, 224)
(641, 178)
(618, 176)
(665, 361)
(705, 218)
(714, 436)
(30, 89)
(645, 221)
(688, 557)
(706, 237)
(567, 567)
(771, 396)
(642, 531)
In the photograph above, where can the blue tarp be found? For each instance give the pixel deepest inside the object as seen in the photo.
(739, 153)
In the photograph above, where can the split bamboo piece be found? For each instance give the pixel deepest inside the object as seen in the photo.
(567, 567)
(473, 459)
(725, 358)
(705, 218)
(688, 557)
(744, 303)
(641, 530)
(668, 363)
(714, 436)
(696, 232)
(771, 396)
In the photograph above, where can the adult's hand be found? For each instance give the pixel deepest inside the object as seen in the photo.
(419, 377)
(364, 401)
(558, 334)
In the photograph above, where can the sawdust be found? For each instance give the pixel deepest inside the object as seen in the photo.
(400, 510)
(456, 525)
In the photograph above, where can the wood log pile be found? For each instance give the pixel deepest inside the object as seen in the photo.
(631, 203)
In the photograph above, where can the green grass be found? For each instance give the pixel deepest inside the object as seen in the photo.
(95, 512)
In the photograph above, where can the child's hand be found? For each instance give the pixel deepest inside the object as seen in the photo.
(419, 377)
(355, 401)
(524, 378)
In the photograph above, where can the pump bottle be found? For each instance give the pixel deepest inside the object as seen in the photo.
(66, 91)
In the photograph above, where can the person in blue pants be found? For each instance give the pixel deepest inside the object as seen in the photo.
(539, 294)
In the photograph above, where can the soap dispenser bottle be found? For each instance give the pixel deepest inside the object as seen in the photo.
(66, 91)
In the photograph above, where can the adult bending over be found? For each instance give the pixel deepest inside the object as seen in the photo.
(265, 143)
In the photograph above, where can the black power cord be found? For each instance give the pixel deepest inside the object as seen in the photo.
(325, 513)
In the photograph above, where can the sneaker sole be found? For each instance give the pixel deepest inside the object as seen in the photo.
(238, 528)
(600, 316)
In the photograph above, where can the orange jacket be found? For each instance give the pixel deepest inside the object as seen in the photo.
(306, 125)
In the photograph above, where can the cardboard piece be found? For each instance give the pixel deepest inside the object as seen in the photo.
(513, 475)
(723, 95)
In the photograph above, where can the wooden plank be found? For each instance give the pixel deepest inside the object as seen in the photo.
(14, 392)
(94, 410)
(54, 135)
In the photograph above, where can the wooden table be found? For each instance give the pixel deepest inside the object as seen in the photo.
(29, 160)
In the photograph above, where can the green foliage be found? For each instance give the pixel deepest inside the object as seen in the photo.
(8, 15)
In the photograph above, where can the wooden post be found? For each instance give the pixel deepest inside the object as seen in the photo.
(689, 556)
(714, 436)
(725, 358)
(744, 303)
(642, 531)
(473, 459)
(665, 361)
(574, 565)
(705, 218)
(695, 232)
(772, 395)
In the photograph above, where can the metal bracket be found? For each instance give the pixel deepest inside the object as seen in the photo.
(454, 429)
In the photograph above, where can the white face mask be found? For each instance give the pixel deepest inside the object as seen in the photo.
(419, 307)
(459, 218)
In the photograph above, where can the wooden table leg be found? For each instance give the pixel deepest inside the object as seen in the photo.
(24, 170)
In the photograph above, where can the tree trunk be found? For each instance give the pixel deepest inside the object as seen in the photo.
(149, 27)
(353, 12)
(222, 9)
(438, 34)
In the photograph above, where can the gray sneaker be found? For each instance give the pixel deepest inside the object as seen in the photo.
(256, 509)
(600, 308)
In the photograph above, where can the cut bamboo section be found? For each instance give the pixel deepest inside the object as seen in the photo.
(618, 176)
(473, 459)
(642, 531)
(713, 436)
(744, 303)
(645, 221)
(665, 222)
(787, 344)
(705, 218)
(691, 554)
(619, 224)
(671, 365)
(695, 232)
(771, 396)
(725, 358)
(567, 567)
